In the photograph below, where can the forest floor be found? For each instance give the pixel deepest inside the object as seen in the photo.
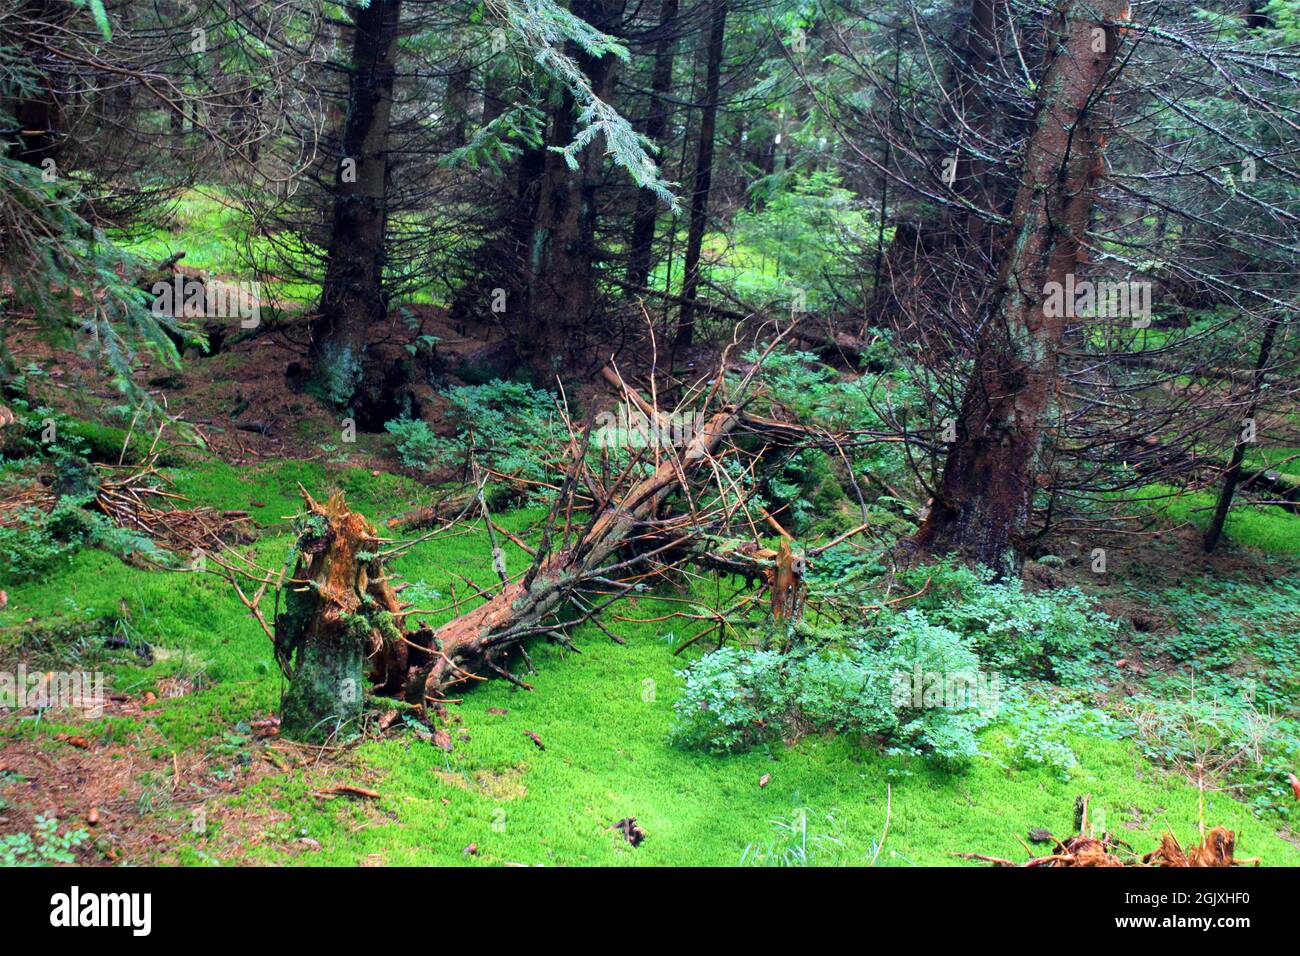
(185, 766)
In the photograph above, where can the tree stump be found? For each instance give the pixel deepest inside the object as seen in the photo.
(339, 625)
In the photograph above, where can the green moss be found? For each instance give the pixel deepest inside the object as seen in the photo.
(324, 698)
(1271, 529)
(603, 716)
(607, 757)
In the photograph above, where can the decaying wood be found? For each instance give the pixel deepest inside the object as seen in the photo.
(342, 627)
(787, 584)
(480, 641)
(1088, 848)
(339, 625)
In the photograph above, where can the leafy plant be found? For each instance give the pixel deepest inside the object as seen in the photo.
(856, 683)
(507, 426)
(45, 846)
(1049, 634)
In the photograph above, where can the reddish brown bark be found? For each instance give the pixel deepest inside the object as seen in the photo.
(983, 505)
(338, 631)
(480, 642)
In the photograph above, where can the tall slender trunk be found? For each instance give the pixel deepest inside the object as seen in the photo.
(647, 204)
(1233, 473)
(983, 506)
(456, 107)
(561, 296)
(352, 297)
(703, 179)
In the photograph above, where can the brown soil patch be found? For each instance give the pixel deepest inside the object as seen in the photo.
(134, 803)
(242, 399)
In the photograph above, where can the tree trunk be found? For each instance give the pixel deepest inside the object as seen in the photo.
(703, 179)
(479, 642)
(352, 296)
(983, 505)
(647, 203)
(1232, 476)
(456, 107)
(561, 297)
(340, 612)
(495, 89)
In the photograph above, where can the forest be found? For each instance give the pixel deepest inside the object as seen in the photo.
(653, 433)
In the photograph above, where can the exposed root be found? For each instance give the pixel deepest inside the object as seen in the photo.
(1087, 849)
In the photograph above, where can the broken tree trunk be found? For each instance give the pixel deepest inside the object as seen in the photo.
(340, 614)
(479, 642)
(342, 622)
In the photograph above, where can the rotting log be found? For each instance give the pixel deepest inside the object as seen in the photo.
(478, 643)
(340, 628)
(341, 622)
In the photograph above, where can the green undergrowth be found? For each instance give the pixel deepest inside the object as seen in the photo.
(607, 757)
(1268, 528)
(604, 717)
(273, 490)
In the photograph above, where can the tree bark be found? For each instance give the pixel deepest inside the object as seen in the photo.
(703, 179)
(647, 203)
(1232, 476)
(983, 505)
(456, 107)
(480, 641)
(561, 295)
(340, 614)
(352, 296)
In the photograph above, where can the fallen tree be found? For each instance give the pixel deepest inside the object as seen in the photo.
(481, 640)
(341, 629)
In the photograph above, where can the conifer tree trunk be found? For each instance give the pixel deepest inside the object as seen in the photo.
(561, 296)
(983, 505)
(703, 178)
(352, 296)
(647, 204)
(338, 632)
(1233, 474)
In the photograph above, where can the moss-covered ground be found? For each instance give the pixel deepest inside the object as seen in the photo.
(603, 717)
